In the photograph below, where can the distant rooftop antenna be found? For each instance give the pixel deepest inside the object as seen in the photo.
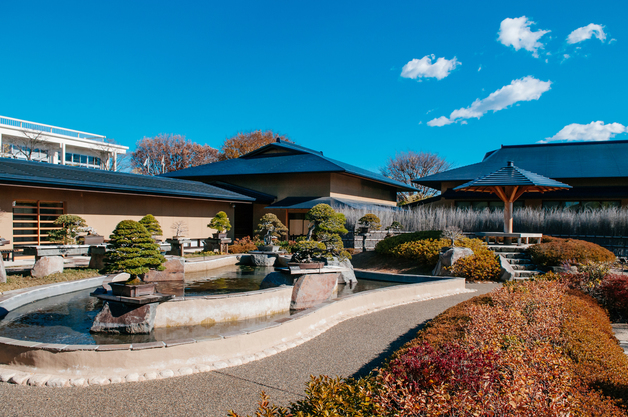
(511, 163)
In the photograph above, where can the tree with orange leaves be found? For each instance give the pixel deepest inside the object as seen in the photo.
(246, 142)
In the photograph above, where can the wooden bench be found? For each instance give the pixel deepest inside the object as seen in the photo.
(519, 236)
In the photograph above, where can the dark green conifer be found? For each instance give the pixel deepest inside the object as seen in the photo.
(132, 250)
(152, 225)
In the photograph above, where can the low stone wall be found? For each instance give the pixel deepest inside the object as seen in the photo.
(205, 264)
(220, 308)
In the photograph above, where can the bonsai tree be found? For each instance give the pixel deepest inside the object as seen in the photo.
(71, 226)
(371, 221)
(325, 228)
(179, 228)
(270, 226)
(152, 225)
(220, 222)
(395, 226)
(133, 250)
(452, 233)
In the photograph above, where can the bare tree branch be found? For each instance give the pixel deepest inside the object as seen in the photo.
(406, 166)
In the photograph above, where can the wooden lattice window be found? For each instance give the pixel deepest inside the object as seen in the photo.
(32, 220)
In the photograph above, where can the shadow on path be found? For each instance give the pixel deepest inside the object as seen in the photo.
(392, 348)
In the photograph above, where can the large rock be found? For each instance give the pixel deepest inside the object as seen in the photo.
(3, 272)
(347, 275)
(125, 318)
(47, 265)
(452, 255)
(448, 257)
(262, 260)
(507, 272)
(276, 279)
(312, 289)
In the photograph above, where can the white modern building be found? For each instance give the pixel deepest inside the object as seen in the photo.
(21, 139)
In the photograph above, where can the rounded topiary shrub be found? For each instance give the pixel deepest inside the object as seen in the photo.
(132, 250)
(152, 225)
(555, 252)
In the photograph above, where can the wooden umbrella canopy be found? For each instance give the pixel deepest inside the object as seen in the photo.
(509, 183)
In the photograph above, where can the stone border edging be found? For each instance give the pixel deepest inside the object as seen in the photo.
(403, 278)
(55, 365)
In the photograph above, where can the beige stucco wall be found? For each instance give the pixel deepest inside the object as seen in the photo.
(286, 185)
(358, 188)
(103, 211)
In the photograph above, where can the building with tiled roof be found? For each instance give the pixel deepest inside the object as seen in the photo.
(288, 180)
(597, 172)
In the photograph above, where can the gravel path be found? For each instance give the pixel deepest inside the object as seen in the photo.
(351, 348)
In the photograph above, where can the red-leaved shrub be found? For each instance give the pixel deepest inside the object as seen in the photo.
(614, 293)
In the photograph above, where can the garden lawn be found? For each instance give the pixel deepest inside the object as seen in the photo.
(18, 281)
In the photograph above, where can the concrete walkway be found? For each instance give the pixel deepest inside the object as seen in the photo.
(351, 348)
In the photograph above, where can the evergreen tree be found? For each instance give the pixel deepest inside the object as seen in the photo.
(132, 250)
(220, 222)
(71, 225)
(152, 225)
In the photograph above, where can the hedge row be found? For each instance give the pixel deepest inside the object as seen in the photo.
(533, 348)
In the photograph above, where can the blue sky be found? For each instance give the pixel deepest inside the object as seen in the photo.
(326, 74)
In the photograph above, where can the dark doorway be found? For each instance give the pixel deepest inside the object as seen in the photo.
(243, 220)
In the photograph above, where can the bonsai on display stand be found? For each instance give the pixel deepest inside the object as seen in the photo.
(323, 238)
(152, 225)
(221, 223)
(271, 228)
(135, 252)
(369, 222)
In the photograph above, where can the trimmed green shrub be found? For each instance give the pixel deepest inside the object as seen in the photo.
(132, 250)
(385, 247)
(555, 251)
(220, 222)
(152, 225)
(395, 226)
(326, 226)
(71, 225)
(308, 251)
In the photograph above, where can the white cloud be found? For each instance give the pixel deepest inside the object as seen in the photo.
(584, 33)
(516, 33)
(524, 89)
(594, 131)
(480, 68)
(419, 68)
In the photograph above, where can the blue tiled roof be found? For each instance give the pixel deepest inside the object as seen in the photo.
(309, 202)
(511, 175)
(41, 174)
(561, 161)
(288, 159)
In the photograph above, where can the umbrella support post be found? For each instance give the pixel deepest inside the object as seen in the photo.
(507, 221)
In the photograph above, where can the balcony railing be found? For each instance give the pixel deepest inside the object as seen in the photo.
(24, 124)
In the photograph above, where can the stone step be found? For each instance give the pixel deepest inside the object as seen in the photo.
(509, 248)
(525, 267)
(512, 255)
(513, 261)
(526, 274)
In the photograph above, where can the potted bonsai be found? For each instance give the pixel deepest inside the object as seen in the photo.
(369, 222)
(132, 250)
(270, 228)
(152, 225)
(323, 238)
(71, 225)
(221, 223)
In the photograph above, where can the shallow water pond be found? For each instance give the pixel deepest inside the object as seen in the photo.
(66, 319)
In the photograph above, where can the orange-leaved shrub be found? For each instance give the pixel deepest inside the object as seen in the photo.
(386, 246)
(554, 251)
(614, 293)
(242, 245)
(535, 348)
